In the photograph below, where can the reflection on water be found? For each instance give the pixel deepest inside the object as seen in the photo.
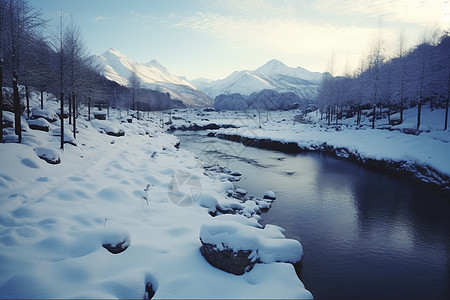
(365, 234)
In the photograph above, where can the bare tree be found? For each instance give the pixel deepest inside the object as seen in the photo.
(60, 52)
(376, 59)
(75, 61)
(135, 84)
(401, 53)
(20, 22)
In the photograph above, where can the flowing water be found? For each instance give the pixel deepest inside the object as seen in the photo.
(365, 234)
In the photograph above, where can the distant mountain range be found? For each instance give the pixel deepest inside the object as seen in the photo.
(117, 67)
(274, 75)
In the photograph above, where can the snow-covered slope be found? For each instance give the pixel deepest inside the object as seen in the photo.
(117, 67)
(274, 75)
(136, 193)
(265, 99)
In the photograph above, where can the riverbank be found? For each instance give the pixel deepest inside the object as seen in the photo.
(413, 168)
(121, 216)
(423, 156)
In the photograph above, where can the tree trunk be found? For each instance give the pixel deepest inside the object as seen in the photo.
(137, 110)
(446, 114)
(401, 111)
(27, 96)
(358, 115)
(89, 108)
(42, 99)
(419, 109)
(70, 108)
(61, 99)
(17, 115)
(389, 114)
(373, 116)
(337, 115)
(329, 115)
(74, 110)
(1, 100)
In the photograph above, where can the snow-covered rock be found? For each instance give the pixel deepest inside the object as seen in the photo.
(47, 114)
(100, 115)
(50, 155)
(235, 173)
(39, 124)
(235, 248)
(241, 191)
(270, 195)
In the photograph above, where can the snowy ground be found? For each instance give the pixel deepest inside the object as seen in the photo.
(138, 190)
(428, 151)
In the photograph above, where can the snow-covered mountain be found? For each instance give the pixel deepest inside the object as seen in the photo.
(117, 67)
(274, 75)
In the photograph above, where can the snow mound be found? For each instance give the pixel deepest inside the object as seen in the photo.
(47, 114)
(39, 124)
(270, 195)
(268, 245)
(52, 156)
(111, 128)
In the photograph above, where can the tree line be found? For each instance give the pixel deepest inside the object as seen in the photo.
(59, 63)
(383, 85)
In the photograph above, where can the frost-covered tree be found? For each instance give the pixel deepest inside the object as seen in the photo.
(134, 83)
(75, 62)
(399, 79)
(413, 78)
(375, 59)
(19, 25)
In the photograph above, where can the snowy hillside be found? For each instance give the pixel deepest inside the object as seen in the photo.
(274, 75)
(117, 67)
(265, 100)
(125, 216)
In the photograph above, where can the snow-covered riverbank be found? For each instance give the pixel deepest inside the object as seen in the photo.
(137, 192)
(425, 156)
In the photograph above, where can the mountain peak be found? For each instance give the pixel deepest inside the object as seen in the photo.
(113, 51)
(273, 75)
(273, 66)
(275, 62)
(156, 64)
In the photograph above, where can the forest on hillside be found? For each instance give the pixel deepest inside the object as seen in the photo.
(387, 86)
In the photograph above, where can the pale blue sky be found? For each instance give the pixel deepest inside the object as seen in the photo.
(213, 38)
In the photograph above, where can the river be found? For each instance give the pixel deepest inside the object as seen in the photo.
(365, 234)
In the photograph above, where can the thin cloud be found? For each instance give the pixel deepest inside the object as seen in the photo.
(101, 18)
(312, 28)
(422, 12)
(276, 34)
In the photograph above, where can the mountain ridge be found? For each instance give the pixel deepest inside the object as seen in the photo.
(116, 66)
(273, 75)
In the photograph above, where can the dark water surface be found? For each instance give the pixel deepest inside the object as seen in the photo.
(365, 234)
